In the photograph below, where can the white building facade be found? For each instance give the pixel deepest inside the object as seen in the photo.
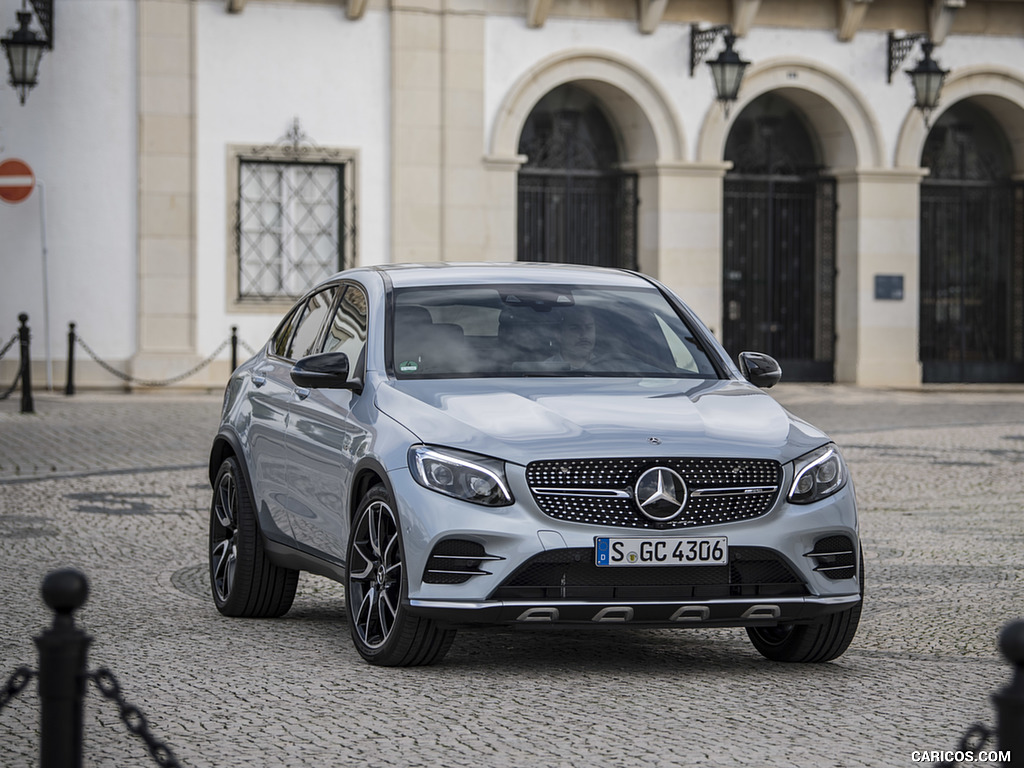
(198, 163)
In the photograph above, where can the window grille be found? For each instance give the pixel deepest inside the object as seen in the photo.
(291, 226)
(294, 216)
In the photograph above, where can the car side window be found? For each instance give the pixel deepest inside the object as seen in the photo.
(283, 335)
(347, 331)
(303, 341)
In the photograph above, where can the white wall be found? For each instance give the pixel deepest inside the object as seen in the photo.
(258, 70)
(77, 130)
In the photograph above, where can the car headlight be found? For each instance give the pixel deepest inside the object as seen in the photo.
(818, 474)
(465, 476)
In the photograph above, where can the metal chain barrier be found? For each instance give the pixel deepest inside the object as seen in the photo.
(245, 346)
(7, 393)
(15, 684)
(971, 743)
(133, 718)
(14, 386)
(8, 345)
(148, 383)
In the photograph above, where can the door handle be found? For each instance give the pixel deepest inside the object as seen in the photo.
(258, 380)
(301, 392)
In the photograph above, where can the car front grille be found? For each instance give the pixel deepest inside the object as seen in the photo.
(572, 574)
(601, 491)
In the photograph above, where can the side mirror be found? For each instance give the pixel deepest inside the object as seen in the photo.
(329, 370)
(759, 369)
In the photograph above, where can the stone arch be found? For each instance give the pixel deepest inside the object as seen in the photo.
(998, 90)
(845, 125)
(648, 128)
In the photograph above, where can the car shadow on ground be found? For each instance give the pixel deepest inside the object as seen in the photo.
(651, 653)
(318, 614)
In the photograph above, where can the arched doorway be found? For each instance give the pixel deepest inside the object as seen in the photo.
(574, 203)
(972, 252)
(779, 242)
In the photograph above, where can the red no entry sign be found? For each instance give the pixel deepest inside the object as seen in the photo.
(16, 180)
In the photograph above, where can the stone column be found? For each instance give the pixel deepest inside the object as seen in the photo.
(416, 138)
(680, 232)
(501, 207)
(166, 235)
(878, 234)
(440, 194)
(464, 234)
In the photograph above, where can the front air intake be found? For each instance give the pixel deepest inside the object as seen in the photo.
(456, 561)
(834, 557)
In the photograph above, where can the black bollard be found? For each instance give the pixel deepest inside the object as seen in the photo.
(69, 387)
(62, 668)
(27, 406)
(234, 347)
(1009, 702)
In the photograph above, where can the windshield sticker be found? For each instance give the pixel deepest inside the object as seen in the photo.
(409, 366)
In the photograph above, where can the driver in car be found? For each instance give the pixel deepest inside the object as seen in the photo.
(577, 334)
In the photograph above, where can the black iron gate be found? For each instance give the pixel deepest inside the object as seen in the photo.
(779, 271)
(577, 217)
(972, 308)
(972, 281)
(575, 204)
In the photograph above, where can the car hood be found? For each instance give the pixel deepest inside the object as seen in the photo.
(521, 420)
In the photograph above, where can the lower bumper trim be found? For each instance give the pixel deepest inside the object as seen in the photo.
(706, 613)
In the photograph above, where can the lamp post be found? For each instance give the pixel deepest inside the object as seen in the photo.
(24, 47)
(727, 70)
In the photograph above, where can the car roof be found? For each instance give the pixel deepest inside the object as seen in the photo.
(448, 273)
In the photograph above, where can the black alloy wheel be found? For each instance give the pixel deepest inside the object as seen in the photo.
(245, 583)
(376, 587)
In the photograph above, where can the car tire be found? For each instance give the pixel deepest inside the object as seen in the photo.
(244, 582)
(376, 587)
(821, 641)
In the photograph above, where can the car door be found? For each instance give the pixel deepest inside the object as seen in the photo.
(325, 438)
(272, 393)
(269, 393)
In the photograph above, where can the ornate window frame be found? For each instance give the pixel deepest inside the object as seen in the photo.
(294, 148)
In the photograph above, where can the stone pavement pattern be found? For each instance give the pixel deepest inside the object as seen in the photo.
(100, 432)
(114, 485)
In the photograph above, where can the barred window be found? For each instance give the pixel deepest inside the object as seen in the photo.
(294, 225)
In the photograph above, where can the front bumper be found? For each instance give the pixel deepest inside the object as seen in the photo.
(514, 535)
(706, 613)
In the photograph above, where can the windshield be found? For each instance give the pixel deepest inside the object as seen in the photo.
(541, 330)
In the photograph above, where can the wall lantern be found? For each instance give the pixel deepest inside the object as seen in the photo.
(727, 70)
(24, 48)
(927, 77)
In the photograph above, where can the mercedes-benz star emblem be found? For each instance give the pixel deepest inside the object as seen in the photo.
(661, 494)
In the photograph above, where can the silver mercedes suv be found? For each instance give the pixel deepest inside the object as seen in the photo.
(526, 444)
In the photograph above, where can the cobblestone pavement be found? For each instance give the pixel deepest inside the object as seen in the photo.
(114, 485)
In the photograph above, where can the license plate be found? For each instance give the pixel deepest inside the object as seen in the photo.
(662, 551)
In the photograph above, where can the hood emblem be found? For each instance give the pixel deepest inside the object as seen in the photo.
(654, 440)
(661, 494)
